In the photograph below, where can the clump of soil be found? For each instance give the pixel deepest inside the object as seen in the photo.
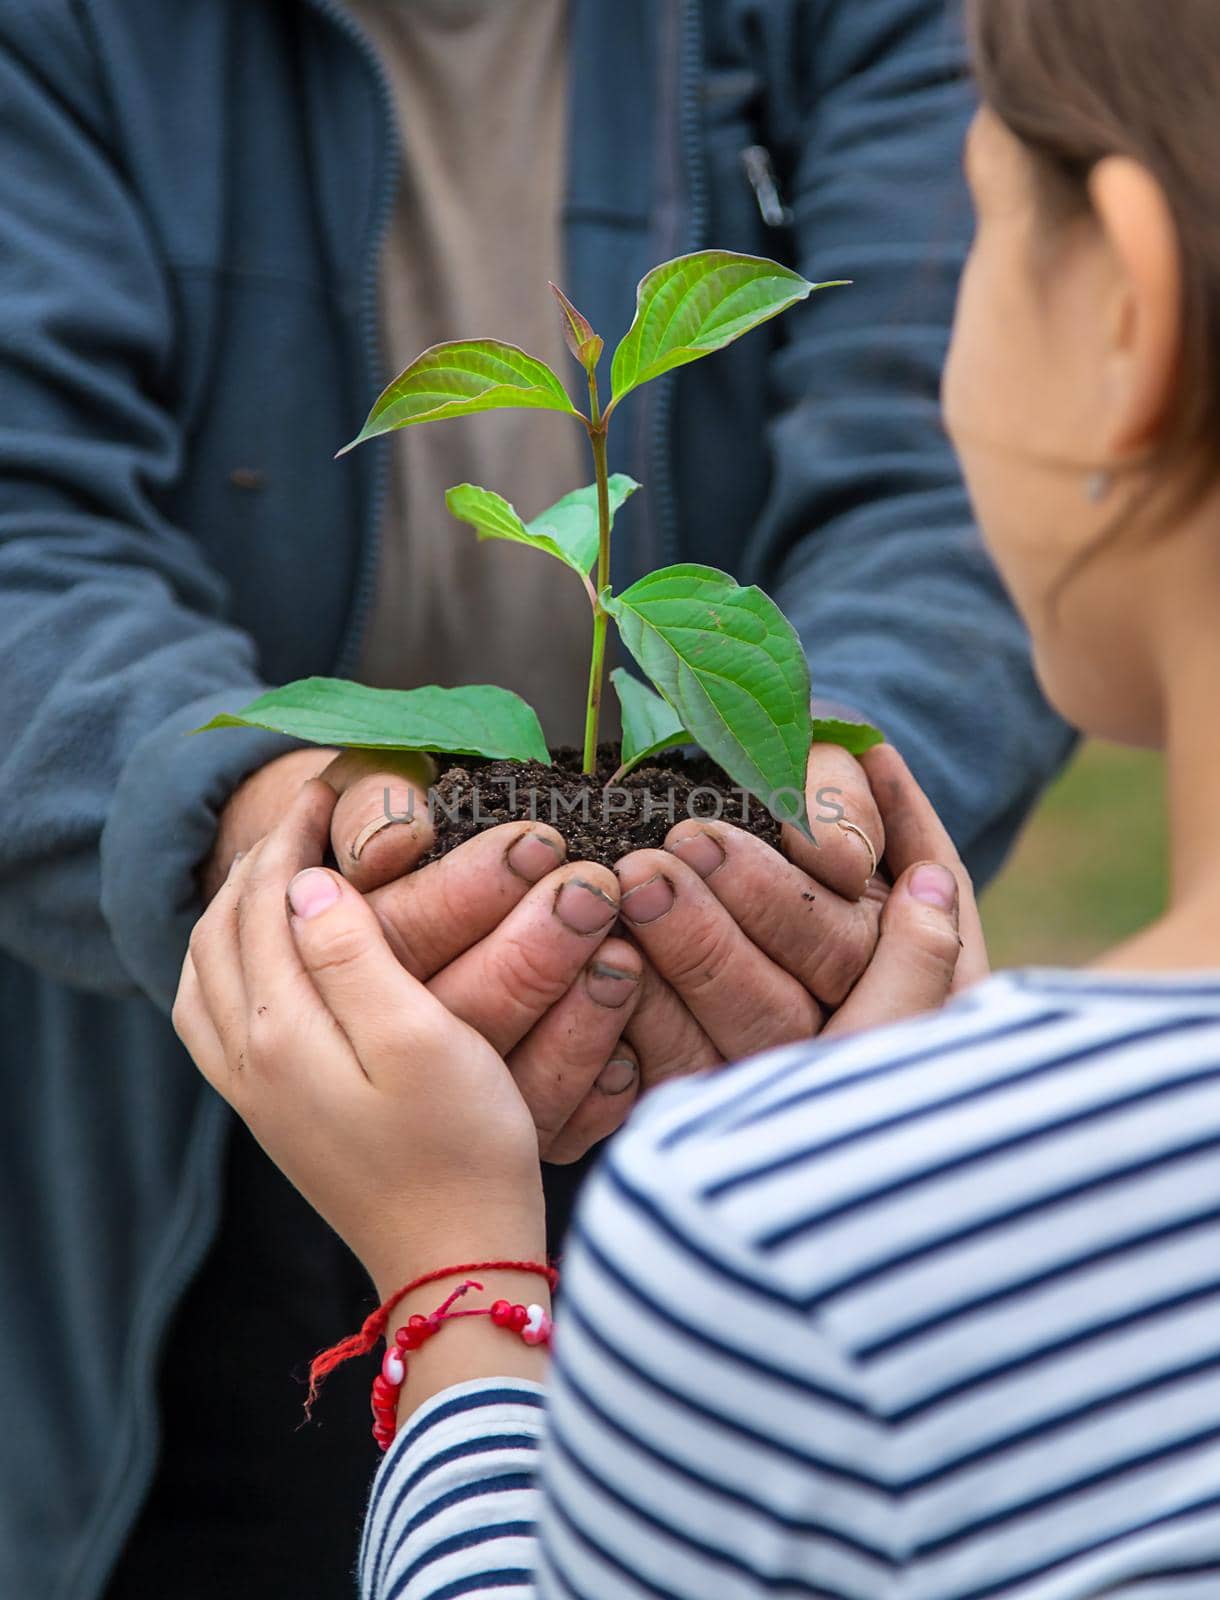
(599, 823)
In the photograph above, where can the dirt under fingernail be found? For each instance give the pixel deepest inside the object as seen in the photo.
(649, 901)
(583, 907)
(609, 986)
(532, 856)
(603, 969)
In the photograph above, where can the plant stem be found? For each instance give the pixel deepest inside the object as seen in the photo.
(597, 663)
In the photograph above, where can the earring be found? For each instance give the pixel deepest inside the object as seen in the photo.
(1097, 486)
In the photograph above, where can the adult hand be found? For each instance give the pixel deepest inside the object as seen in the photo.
(398, 1121)
(380, 827)
(747, 950)
(930, 909)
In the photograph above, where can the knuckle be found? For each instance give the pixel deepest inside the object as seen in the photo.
(702, 957)
(942, 944)
(528, 969)
(197, 944)
(337, 950)
(932, 952)
(767, 917)
(800, 1018)
(837, 958)
(207, 943)
(783, 1020)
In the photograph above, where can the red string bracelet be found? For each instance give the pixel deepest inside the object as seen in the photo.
(531, 1322)
(375, 1324)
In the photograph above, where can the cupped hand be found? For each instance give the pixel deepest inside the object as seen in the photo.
(518, 945)
(379, 828)
(535, 972)
(397, 1120)
(747, 950)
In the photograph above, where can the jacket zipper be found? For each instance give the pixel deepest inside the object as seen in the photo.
(370, 330)
(689, 118)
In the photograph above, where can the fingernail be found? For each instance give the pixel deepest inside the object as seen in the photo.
(610, 986)
(532, 856)
(370, 832)
(853, 832)
(239, 856)
(584, 909)
(934, 886)
(649, 901)
(617, 1076)
(702, 852)
(312, 891)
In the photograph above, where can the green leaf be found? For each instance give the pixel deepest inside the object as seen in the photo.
(454, 380)
(476, 721)
(694, 305)
(731, 666)
(578, 332)
(650, 723)
(566, 530)
(854, 737)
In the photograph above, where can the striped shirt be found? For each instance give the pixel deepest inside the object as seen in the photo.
(932, 1313)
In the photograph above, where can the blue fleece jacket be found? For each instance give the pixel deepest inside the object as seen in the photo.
(192, 196)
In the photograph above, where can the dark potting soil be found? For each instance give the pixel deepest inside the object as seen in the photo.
(598, 823)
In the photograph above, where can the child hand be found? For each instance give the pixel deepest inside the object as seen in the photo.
(399, 1123)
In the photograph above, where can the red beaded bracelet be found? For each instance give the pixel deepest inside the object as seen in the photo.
(375, 1324)
(531, 1322)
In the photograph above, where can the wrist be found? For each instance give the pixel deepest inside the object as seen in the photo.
(469, 1225)
(469, 1347)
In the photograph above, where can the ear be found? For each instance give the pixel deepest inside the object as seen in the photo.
(1145, 335)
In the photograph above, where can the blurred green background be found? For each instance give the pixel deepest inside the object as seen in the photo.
(1090, 867)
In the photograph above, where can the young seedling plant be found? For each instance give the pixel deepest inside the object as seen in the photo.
(727, 669)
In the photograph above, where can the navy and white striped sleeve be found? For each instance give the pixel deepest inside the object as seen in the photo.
(706, 1438)
(928, 1312)
(454, 1504)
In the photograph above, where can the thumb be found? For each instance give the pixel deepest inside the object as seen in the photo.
(913, 834)
(387, 1015)
(916, 956)
(382, 823)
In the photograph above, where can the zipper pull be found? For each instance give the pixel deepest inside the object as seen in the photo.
(756, 159)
